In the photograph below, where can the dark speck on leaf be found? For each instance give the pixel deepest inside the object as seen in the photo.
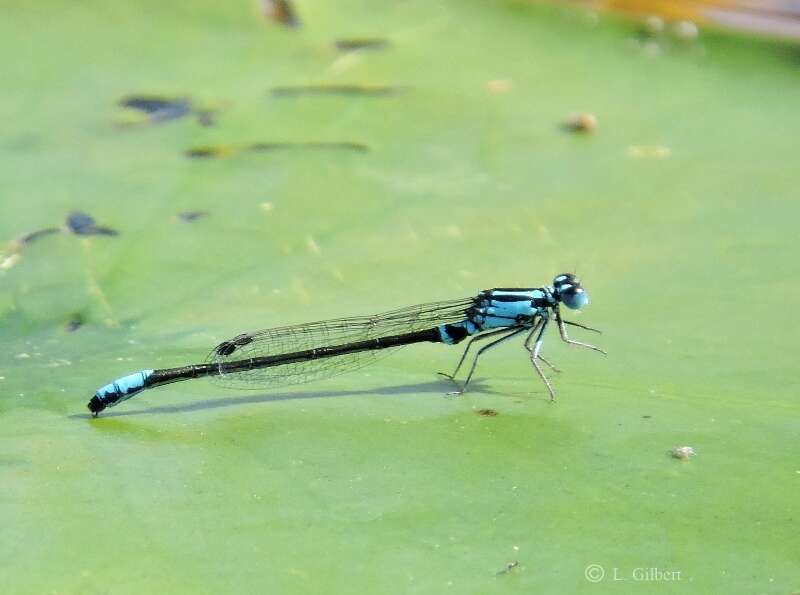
(510, 565)
(147, 104)
(313, 145)
(487, 413)
(209, 152)
(191, 216)
(159, 109)
(325, 89)
(225, 151)
(350, 45)
(78, 222)
(82, 224)
(74, 323)
(206, 117)
(204, 152)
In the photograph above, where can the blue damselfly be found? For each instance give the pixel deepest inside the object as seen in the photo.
(308, 352)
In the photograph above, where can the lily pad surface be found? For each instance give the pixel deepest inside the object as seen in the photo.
(678, 209)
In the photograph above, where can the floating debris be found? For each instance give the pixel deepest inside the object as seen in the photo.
(682, 452)
(152, 104)
(208, 152)
(191, 216)
(348, 146)
(653, 26)
(498, 86)
(13, 253)
(206, 117)
(487, 413)
(74, 323)
(334, 89)
(35, 235)
(157, 108)
(280, 11)
(352, 45)
(8, 261)
(77, 222)
(153, 109)
(649, 152)
(82, 224)
(685, 31)
(58, 363)
(228, 150)
(580, 122)
(510, 565)
(657, 35)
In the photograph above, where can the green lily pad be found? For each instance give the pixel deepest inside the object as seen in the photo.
(678, 210)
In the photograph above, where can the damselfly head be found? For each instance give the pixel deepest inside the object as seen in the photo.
(568, 289)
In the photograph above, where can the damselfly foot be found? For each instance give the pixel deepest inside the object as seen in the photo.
(549, 365)
(452, 378)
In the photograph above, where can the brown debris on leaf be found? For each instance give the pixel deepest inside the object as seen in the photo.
(334, 89)
(357, 44)
(682, 452)
(220, 151)
(30, 237)
(580, 122)
(487, 413)
(77, 223)
(280, 11)
(510, 565)
(498, 86)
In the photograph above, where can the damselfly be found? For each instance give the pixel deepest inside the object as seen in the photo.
(308, 352)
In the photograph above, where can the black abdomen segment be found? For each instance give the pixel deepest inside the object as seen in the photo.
(159, 377)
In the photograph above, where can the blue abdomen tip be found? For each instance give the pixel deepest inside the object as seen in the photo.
(123, 388)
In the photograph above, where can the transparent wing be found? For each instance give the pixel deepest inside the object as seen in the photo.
(329, 333)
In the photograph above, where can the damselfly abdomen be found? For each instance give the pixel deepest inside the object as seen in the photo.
(308, 352)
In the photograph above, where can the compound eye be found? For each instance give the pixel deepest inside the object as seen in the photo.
(574, 298)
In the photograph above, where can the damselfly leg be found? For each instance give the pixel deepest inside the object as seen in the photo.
(528, 347)
(562, 330)
(452, 376)
(514, 333)
(583, 326)
(534, 328)
(537, 347)
(549, 365)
